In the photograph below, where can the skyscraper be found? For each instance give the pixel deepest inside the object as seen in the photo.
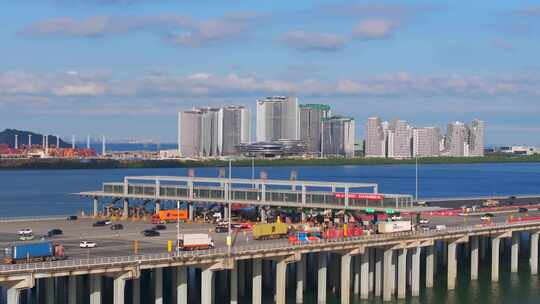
(375, 138)
(278, 118)
(211, 132)
(311, 117)
(456, 141)
(235, 129)
(399, 139)
(426, 142)
(476, 138)
(338, 135)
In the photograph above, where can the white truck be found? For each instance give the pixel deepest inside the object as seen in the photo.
(394, 226)
(195, 241)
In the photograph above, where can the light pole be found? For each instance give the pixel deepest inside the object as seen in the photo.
(416, 179)
(229, 192)
(177, 226)
(253, 171)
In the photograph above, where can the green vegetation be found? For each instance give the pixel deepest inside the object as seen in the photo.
(112, 164)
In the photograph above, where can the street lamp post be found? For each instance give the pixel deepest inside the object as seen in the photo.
(177, 226)
(229, 237)
(416, 179)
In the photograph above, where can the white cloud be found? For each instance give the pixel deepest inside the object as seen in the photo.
(375, 28)
(305, 41)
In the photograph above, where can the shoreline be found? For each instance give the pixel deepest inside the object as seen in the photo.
(71, 164)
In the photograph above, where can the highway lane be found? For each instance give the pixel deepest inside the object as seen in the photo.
(121, 242)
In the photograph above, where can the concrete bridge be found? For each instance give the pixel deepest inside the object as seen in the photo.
(380, 265)
(256, 192)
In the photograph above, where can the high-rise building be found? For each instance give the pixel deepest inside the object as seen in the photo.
(476, 138)
(278, 118)
(235, 129)
(210, 131)
(311, 117)
(338, 135)
(426, 142)
(190, 133)
(399, 139)
(456, 141)
(375, 138)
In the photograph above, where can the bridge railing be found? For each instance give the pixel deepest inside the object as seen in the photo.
(236, 251)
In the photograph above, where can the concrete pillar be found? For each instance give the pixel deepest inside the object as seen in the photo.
(242, 277)
(435, 258)
(190, 211)
(72, 289)
(119, 288)
(415, 282)
(96, 203)
(226, 212)
(356, 279)
(95, 289)
(50, 287)
(387, 282)
(136, 291)
(430, 265)
(402, 273)
(233, 285)
(378, 273)
(393, 272)
(371, 278)
(452, 266)
(158, 285)
(515, 252)
(158, 207)
(482, 247)
(345, 278)
(207, 290)
(533, 259)
(256, 282)
(474, 257)
(300, 279)
(495, 242)
(364, 273)
(13, 295)
(125, 213)
(321, 279)
(281, 282)
(182, 285)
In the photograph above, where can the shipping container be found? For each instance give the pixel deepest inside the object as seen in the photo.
(394, 226)
(270, 231)
(195, 241)
(43, 251)
(169, 216)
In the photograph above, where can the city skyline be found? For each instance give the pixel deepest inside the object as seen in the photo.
(122, 68)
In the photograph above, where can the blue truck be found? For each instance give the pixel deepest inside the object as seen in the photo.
(34, 252)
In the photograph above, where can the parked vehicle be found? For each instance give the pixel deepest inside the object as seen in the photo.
(54, 232)
(34, 252)
(396, 217)
(170, 216)
(25, 237)
(150, 232)
(270, 231)
(423, 221)
(87, 244)
(159, 227)
(72, 218)
(222, 227)
(523, 210)
(117, 227)
(99, 224)
(394, 226)
(440, 227)
(486, 217)
(195, 241)
(25, 231)
(303, 237)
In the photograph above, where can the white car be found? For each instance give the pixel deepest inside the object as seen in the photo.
(107, 222)
(396, 217)
(486, 217)
(423, 221)
(440, 227)
(87, 244)
(26, 236)
(25, 231)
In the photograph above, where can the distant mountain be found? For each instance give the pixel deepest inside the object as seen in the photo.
(8, 137)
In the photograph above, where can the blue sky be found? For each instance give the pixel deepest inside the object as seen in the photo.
(124, 68)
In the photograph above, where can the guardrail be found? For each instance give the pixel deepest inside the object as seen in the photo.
(241, 250)
(34, 218)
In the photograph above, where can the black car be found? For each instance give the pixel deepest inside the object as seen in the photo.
(221, 228)
(99, 224)
(159, 227)
(523, 210)
(72, 218)
(54, 232)
(150, 232)
(117, 227)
